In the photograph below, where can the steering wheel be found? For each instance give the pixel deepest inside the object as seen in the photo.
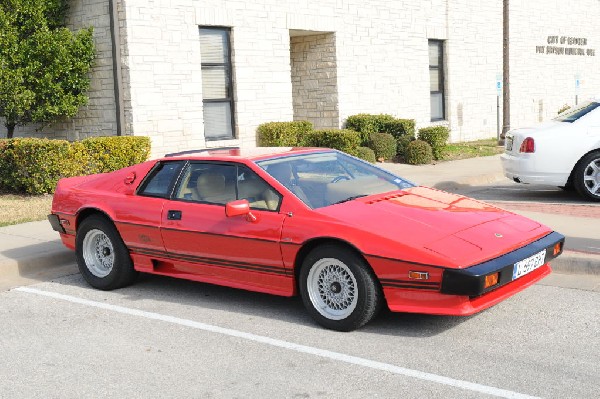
(338, 178)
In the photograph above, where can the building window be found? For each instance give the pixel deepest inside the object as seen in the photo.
(217, 85)
(436, 79)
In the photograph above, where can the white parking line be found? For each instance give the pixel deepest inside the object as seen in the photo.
(471, 386)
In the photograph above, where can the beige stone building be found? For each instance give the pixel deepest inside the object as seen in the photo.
(205, 73)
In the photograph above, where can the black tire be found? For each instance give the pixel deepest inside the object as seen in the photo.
(350, 285)
(567, 188)
(586, 178)
(102, 257)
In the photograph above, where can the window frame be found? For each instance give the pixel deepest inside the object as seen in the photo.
(237, 166)
(442, 78)
(152, 174)
(229, 74)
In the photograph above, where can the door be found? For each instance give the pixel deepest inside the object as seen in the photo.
(207, 245)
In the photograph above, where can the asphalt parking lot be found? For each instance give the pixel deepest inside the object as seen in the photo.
(170, 338)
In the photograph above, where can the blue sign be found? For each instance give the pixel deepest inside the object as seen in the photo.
(499, 84)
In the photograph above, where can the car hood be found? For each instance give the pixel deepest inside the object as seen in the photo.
(460, 230)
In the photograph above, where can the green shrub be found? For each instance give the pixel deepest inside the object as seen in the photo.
(418, 152)
(344, 140)
(384, 145)
(382, 123)
(367, 154)
(116, 152)
(436, 136)
(564, 108)
(402, 143)
(34, 166)
(282, 134)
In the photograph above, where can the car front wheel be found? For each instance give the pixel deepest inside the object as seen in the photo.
(102, 257)
(587, 176)
(338, 288)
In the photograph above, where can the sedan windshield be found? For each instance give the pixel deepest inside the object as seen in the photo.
(578, 112)
(326, 178)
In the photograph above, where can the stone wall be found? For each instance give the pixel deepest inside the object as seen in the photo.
(314, 80)
(379, 50)
(98, 118)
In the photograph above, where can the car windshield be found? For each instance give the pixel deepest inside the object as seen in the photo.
(572, 116)
(327, 178)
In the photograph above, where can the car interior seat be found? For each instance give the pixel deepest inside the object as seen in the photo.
(283, 173)
(212, 187)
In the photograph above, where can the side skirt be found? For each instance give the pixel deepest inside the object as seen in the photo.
(265, 282)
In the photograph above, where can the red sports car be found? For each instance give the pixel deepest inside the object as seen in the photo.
(347, 236)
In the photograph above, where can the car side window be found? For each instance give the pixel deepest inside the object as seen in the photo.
(161, 180)
(208, 182)
(254, 189)
(221, 183)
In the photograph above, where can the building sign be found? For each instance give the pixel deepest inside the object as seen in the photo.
(566, 45)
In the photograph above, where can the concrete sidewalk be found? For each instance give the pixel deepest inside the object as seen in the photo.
(33, 251)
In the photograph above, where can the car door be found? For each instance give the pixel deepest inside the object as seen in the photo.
(205, 243)
(139, 218)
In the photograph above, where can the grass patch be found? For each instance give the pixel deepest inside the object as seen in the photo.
(472, 149)
(16, 209)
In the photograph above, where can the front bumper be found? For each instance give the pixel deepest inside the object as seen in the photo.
(471, 281)
(461, 291)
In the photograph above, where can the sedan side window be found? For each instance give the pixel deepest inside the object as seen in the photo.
(221, 183)
(161, 180)
(254, 189)
(206, 182)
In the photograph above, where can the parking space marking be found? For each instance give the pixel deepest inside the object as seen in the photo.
(359, 361)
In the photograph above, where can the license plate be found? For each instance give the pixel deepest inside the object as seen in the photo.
(509, 143)
(528, 265)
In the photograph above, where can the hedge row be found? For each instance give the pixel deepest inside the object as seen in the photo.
(301, 133)
(34, 166)
(384, 134)
(283, 134)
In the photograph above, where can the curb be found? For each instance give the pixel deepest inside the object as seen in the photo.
(40, 267)
(571, 262)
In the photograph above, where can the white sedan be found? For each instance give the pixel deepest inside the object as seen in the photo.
(563, 152)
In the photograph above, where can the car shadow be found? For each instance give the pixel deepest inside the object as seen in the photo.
(248, 303)
(510, 192)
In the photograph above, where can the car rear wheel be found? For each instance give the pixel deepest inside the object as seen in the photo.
(338, 288)
(587, 176)
(102, 257)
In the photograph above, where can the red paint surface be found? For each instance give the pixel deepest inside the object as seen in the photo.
(417, 229)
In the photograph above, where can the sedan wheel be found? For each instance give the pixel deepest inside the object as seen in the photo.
(587, 176)
(102, 257)
(338, 288)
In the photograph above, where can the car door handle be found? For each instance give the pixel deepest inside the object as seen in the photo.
(174, 215)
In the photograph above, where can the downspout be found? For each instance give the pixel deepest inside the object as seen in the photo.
(505, 69)
(116, 57)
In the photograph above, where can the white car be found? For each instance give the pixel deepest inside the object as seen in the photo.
(563, 152)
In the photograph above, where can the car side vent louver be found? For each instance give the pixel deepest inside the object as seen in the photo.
(385, 198)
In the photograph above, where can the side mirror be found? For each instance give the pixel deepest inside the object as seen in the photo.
(239, 207)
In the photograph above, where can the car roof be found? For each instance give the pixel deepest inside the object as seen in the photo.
(253, 154)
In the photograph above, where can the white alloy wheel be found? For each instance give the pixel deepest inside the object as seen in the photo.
(332, 288)
(98, 253)
(591, 177)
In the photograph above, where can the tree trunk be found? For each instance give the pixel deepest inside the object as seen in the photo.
(11, 130)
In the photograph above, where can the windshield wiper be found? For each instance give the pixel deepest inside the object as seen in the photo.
(350, 198)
